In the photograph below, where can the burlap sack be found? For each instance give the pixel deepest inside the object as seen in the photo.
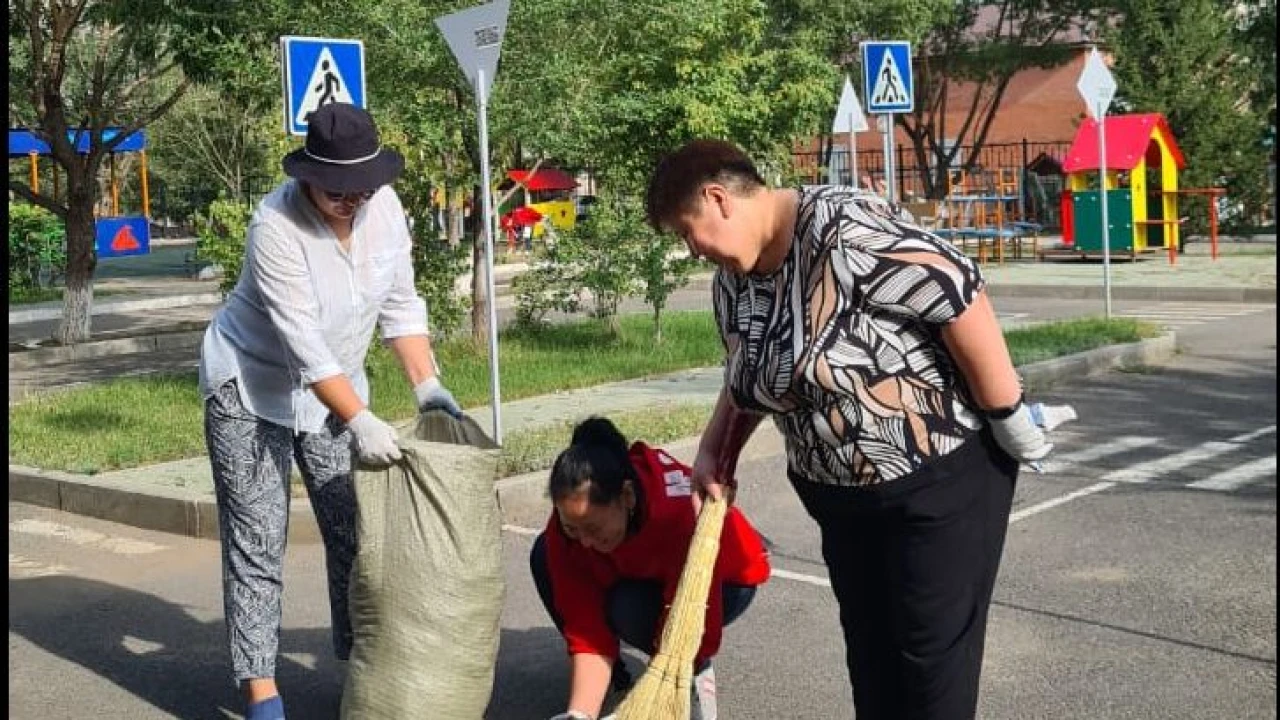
(427, 583)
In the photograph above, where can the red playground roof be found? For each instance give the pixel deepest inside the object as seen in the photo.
(1128, 137)
(544, 179)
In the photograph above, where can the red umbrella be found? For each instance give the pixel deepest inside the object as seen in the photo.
(521, 216)
(544, 179)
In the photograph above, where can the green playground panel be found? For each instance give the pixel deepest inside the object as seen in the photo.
(1088, 220)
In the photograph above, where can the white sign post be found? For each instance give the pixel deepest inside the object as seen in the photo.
(1098, 87)
(888, 86)
(475, 37)
(849, 118)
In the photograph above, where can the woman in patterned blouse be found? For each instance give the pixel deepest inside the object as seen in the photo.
(874, 348)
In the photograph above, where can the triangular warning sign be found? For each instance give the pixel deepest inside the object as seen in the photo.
(325, 86)
(123, 241)
(889, 89)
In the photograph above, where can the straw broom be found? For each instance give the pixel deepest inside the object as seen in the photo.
(663, 691)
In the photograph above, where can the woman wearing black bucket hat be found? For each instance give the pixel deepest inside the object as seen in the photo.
(327, 259)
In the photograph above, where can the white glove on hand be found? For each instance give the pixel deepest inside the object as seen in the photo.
(432, 395)
(575, 715)
(1019, 435)
(373, 440)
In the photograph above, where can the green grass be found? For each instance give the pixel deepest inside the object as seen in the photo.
(28, 296)
(1042, 342)
(535, 449)
(39, 295)
(142, 420)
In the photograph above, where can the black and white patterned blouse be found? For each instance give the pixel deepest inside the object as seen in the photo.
(842, 344)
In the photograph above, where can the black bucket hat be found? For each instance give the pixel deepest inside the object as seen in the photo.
(343, 153)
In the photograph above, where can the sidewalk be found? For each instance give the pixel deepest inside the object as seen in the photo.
(1241, 269)
(178, 496)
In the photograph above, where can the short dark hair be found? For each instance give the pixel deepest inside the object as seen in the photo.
(676, 180)
(597, 455)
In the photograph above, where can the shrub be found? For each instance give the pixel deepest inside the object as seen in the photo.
(37, 249)
(612, 254)
(220, 238)
(436, 267)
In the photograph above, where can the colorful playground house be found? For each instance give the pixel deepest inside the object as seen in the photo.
(116, 235)
(1143, 161)
(547, 194)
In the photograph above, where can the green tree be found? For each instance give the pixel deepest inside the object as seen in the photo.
(214, 144)
(1182, 58)
(79, 68)
(982, 45)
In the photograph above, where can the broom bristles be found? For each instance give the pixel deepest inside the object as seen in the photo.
(663, 692)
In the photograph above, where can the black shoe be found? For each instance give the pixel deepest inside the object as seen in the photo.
(621, 679)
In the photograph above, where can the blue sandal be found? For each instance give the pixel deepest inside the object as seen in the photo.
(270, 709)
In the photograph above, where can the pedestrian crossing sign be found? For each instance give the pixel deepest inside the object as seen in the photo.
(886, 77)
(318, 71)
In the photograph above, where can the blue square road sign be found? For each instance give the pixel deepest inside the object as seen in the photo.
(886, 77)
(318, 71)
(122, 236)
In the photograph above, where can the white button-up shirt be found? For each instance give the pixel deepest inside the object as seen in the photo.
(304, 309)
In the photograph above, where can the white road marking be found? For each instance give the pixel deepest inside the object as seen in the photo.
(1238, 476)
(21, 568)
(1058, 463)
(138, 646)
(84, 538)
(1060, 500)
(1151, 469)
(1139, 472)
(1246, 437)
(306, 660)
(800, 577)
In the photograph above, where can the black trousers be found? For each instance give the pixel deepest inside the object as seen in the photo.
(913, 563)
(633, 607)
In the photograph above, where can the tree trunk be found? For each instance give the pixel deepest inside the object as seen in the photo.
(77, 306)
(657, 324)
(453, 219)
(479, 283)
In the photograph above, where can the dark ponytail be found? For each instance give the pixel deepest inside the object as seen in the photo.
(597, 459)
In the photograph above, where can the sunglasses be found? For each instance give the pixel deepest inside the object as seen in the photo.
(351, 198)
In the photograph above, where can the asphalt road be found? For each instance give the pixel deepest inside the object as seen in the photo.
(1138, 581)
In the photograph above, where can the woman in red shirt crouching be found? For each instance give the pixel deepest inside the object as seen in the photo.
(609, 561)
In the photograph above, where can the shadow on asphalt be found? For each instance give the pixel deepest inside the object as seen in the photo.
(158, 652)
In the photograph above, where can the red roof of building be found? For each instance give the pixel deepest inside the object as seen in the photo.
(1128, 138)
(544, 179)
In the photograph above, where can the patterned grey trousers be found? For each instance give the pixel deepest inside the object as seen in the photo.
(251, 460)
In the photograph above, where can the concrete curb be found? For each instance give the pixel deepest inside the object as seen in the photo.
(1154, 293)
(110, 307)
(522, 498)
(182, 336)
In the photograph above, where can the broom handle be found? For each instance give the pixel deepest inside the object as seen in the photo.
(686, 622)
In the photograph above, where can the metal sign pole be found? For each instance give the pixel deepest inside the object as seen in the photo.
(495, 391)
(887, 120)
(853, 152)
(1100, 115)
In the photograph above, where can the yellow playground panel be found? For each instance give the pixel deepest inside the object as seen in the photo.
(1141, 186)
(549, 191)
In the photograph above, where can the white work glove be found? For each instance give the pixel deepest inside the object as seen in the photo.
(575, 715)
(432, 395)
(1019, 435)
(373, 440)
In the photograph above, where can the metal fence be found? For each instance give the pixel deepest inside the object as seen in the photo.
(1034, 169)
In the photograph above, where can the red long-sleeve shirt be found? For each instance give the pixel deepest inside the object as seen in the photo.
(581, 577)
